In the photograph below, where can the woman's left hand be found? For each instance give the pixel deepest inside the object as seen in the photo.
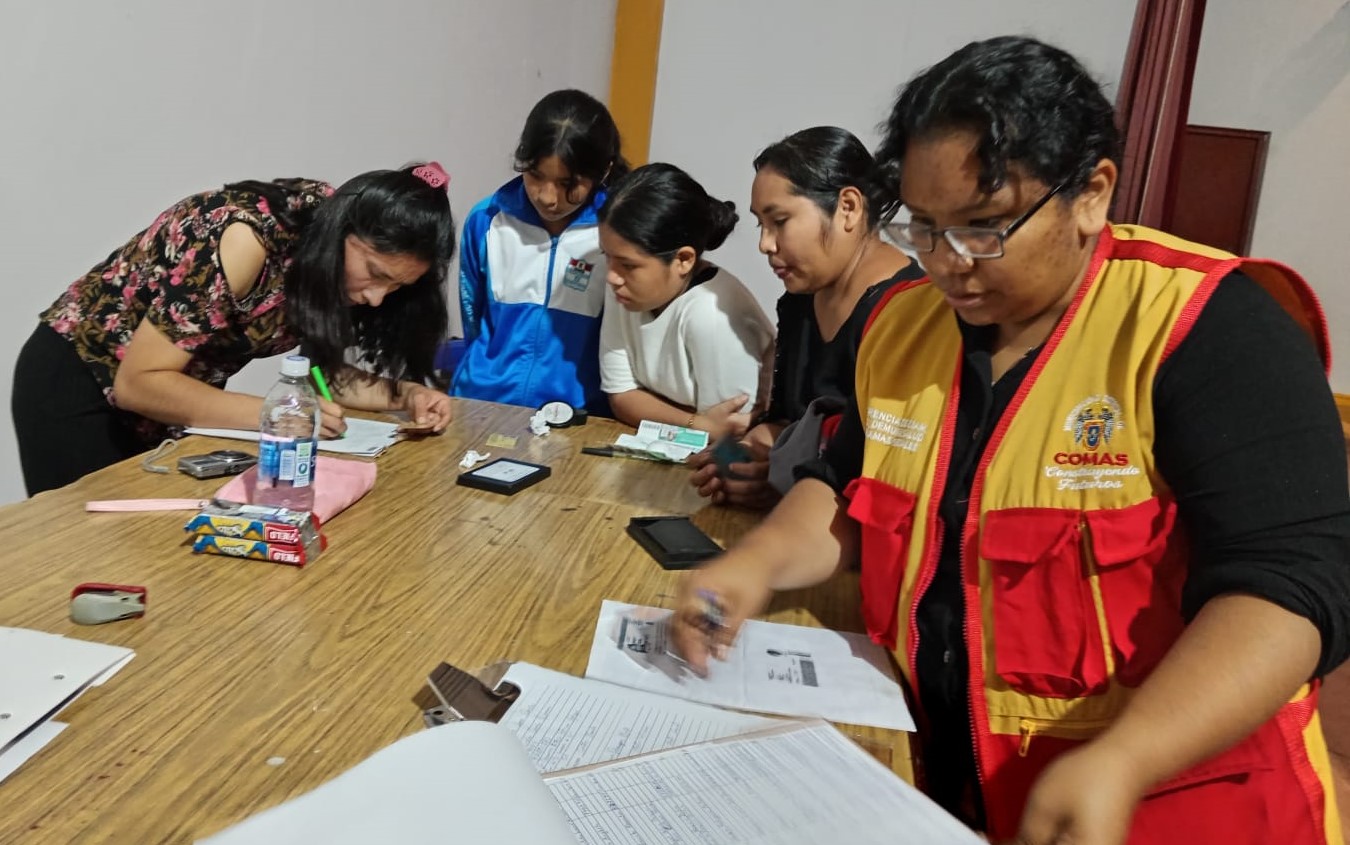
(425, 407)
(747, 486)
(1085, 797)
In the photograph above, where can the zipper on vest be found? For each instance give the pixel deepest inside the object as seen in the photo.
(971, 688)
(539, 324)
(1029, 728)
(1092, 574)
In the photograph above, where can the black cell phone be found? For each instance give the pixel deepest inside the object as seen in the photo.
(674, 541)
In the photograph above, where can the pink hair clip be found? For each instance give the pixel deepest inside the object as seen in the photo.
(433, 174)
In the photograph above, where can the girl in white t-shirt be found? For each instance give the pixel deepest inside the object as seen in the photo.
(683, 341)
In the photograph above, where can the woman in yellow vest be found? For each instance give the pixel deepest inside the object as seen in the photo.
(1096, 483)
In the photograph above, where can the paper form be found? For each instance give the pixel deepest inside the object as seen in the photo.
(472, 782)
(771, 668)
(40, 675)
(363, 438)
(565, 722)
(462, 782)
(803, 785)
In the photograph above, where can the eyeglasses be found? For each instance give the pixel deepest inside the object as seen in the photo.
(969, 242)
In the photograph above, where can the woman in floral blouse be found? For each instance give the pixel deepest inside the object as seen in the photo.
(143, 344)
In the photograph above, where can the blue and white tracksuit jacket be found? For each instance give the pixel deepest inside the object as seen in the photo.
(531, 305)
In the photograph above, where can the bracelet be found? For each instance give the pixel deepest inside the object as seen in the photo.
(690, 424)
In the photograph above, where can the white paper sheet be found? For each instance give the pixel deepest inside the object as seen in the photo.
(17, 753)
(40, 673)
(462, 782)
(566, 722)
(363, 438)
(107, 674)
(807, 785)
(772, 668)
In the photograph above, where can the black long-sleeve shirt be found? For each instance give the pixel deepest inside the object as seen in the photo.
(1248, 439)
(806, 366)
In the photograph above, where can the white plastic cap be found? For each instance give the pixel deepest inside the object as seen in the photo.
(295, 366)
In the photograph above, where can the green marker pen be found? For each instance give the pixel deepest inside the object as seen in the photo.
(323, 387)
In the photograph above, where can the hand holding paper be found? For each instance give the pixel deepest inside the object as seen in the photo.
(737, 592)
(771, 668)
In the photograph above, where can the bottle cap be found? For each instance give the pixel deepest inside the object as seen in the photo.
(295, 365)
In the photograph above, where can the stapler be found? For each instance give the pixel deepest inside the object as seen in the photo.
(94, 604)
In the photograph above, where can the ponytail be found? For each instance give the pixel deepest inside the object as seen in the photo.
(659, 209)
(824, 160)
(722, 219)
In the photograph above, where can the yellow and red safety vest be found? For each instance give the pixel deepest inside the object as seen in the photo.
(1072, 558)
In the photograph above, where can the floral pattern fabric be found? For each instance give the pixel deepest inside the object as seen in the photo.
(170, 274)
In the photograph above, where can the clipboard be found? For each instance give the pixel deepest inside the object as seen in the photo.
(453, 695)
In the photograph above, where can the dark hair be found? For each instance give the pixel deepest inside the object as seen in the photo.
(394, 212)
(660, 208)
(1030, 104)
(822, 161)
(578, 129)
(291, 201)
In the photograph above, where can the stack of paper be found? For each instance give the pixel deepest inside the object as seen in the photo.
(363, 438)
(797, 783)
(619, 767)
(39, 675)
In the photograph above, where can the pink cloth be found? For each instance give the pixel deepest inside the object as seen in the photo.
(338, 484)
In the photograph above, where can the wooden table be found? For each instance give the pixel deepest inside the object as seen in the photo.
(242, 662)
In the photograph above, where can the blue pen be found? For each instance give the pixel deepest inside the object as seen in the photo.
(712, 619)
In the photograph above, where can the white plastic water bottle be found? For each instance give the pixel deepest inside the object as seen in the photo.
(289, 440)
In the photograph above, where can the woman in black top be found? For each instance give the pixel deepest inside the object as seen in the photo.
(818, 201)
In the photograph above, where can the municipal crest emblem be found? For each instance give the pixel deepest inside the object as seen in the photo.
(1094, 421)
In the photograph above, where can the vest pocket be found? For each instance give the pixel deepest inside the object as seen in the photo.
(1046, 634)
(885, 515)
(1226, 799)
(1140, 583)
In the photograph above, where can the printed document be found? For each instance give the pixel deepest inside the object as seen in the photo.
(799, 783)
(771, 668)
(363, 438)
(566, 722)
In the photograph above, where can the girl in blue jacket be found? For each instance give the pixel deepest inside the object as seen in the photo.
(532, 277)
